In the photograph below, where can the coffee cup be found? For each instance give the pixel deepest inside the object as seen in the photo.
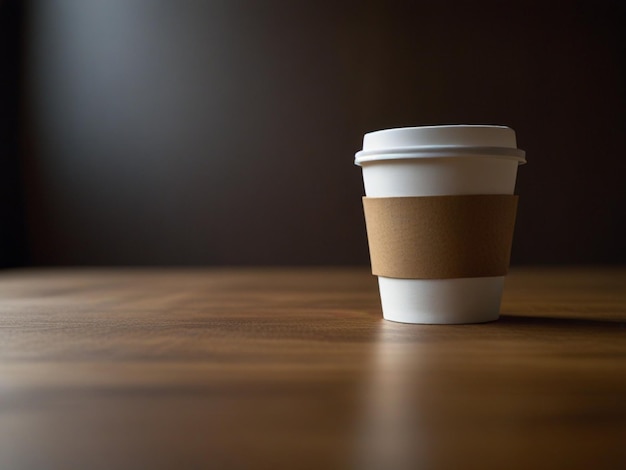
(440, 210)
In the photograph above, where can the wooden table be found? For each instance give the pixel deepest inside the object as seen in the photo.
(295, 368)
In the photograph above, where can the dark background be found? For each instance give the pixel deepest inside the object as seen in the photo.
(223, 132)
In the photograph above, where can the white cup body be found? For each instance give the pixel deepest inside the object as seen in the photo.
(440, 301)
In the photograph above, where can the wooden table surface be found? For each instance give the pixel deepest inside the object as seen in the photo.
(295, 368)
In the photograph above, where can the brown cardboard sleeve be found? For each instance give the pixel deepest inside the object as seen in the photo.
(439, 237)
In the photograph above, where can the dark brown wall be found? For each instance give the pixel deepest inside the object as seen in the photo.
(223, 132)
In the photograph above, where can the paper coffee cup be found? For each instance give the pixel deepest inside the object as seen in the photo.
(461, 177)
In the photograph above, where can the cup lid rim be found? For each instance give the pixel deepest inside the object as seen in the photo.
(454, 140)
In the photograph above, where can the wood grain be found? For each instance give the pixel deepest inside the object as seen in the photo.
(295, 368)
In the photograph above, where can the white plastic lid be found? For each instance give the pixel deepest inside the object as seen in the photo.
(440, 141)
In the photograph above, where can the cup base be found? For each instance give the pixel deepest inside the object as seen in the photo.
(441, 301)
